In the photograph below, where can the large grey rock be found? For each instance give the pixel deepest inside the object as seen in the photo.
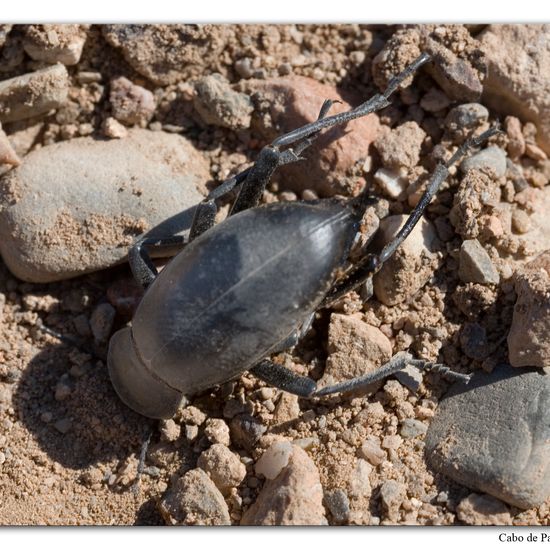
(76, 206)
(493, 435)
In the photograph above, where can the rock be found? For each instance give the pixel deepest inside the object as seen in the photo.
(410, 428)
(274, 460)
(169, 431)
(294, 497)
(55, 43)
(518, 76)
(131, 104)
(194, 500)
(411, 266)
(410, 377)
(101, 321)
(355, 348)
(473, 202)
(434, 100)
(493, 435)
(217, 431)
(166, 54)
(217, 103)
(464, 118)
(359, 481)
(400, 148)
(475, 265)
(287, 408)
(193, 416)
(338, 504)
(516, 140)
(520, 221)
(113, 129)
(529, 336)
(492, 160)
(7, 153)
(246, 431)
(76, 206)
(371, 451)
(473, 339)
(392, 495)
(457, 75)
(483, 510)
(284, 104)
(390, 182)
(33, 94)
(224, 467)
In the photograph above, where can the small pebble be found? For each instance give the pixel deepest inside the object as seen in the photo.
(169, 430)
(131, 104)
(102, 321)
(194, 500)
(491, 159)
(359, 483)
(390, 182)
(516, 141)
(475, 265)
(33, 94)
(473, 340)
(217, 431)
(410, 377)
(55, 43)
(467, 116)
(274, 460)
(434, 100)
(392, 495)
(338, 504)
(218, 104)
(246, 430)
(371, 451)
(112, 128)
(521, 222)
(192, 415)
(224, 467)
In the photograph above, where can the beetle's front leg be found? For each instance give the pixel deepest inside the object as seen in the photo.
(140, 261)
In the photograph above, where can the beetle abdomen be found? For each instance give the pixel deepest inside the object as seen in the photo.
(239, 289)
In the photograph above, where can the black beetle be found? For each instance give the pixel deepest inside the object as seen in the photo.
(248, 287)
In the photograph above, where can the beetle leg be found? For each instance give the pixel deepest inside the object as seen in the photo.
(283, 378)
(395, 364)
(140, 261)
(379, 101)
(372, 263)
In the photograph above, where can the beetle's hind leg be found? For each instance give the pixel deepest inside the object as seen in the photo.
(284, 379)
